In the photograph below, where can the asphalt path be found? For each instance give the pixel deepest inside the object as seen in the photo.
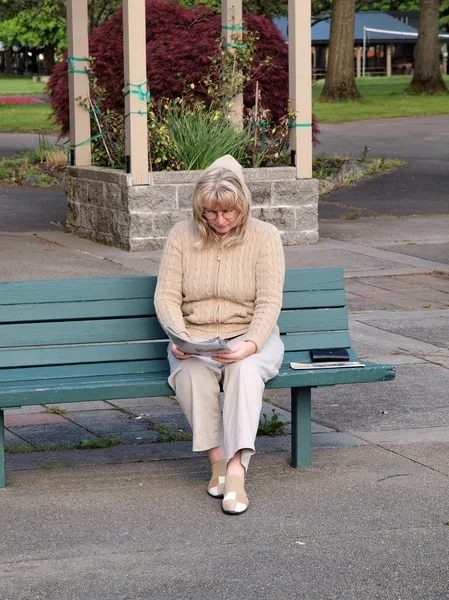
(12, 144)
(419, 187)
(25, 209)
(406, 138)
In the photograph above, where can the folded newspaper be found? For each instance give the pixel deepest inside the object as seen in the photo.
(206, 348)
(325, 365)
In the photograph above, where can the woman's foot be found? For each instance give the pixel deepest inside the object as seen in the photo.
(235, 500)
(216, 485)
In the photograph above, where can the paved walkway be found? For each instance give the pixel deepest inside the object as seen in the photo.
(368, 520)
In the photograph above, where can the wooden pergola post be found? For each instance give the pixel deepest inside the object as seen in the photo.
(232, 29)
(359, 51)
(135, 85)
(300, 85)
(78, 53)
(444, 52)
(388, 60)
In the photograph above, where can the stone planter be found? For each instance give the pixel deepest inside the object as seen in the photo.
(105, 207)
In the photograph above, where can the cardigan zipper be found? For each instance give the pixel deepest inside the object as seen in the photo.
(217, 309)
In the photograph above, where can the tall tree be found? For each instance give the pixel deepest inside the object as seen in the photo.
(42, 23)
(427, 78)
(340, 77)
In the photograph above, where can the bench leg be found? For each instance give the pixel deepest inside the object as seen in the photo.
(2, 450)
(301, 427)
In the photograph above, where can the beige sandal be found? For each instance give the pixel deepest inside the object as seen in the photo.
(215, 487)
(235, 500)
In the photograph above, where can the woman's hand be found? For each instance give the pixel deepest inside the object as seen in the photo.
(177, 352)
(240, 351)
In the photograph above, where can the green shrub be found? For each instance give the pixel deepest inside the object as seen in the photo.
(200, 135)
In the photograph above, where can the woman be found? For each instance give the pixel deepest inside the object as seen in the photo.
(222, 274)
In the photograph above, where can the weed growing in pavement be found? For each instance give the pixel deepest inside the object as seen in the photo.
(27, 448)
(101, 443)
(340, 171)
(353, 216)
(439, 273)
(170, 434)
(426, 306)
(272, 426)
(55, 410)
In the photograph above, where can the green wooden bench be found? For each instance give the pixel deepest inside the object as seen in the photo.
(99, 339)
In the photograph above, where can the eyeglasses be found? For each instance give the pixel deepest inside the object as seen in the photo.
(211, 215)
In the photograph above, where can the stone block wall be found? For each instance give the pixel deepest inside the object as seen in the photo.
(105, 207)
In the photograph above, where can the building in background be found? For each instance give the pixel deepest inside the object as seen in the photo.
(388, 51)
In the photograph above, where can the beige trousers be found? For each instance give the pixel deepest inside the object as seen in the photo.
(196, 382)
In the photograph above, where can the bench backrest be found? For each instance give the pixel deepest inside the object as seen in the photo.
(79, 321)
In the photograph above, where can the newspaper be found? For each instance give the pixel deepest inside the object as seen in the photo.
(324, 365)
(206, 348)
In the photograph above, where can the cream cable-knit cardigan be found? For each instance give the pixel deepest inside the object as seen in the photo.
(222, 291)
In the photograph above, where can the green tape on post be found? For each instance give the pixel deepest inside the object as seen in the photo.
(300, 124)
(136, 112)
(72, 60)
(91, 139)
(234, 27)
(235, 45)
(142, 95)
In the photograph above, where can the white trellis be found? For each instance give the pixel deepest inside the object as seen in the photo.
(134, 38)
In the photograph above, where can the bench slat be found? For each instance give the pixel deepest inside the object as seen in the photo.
(310, 320)
(304, 356)
(69, 311)
(94, 353)
(313, 279)
(308, 341)
(83, 370)
(77, 390)
(80, 332)
(372, 372)
(316, 299)
(140, 307)
(76, 290)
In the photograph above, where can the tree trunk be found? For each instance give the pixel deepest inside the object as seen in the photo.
(340, 79)
(8, 61)
(34, 67)
(49, 57)
(427, 78)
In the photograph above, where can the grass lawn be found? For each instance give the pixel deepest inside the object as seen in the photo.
(31, 118)
(18, 85)
(382, 97)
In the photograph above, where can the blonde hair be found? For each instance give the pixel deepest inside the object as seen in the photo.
(220, 188)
